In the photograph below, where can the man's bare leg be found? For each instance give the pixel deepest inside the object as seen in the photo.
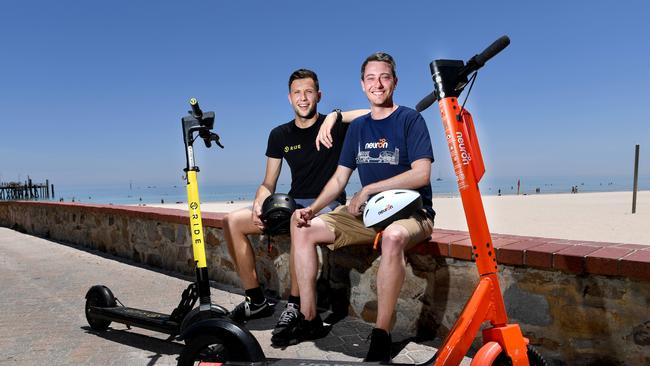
(304, 323)
(391, 273)
(236, 226)
(295, 289)
(303, 247)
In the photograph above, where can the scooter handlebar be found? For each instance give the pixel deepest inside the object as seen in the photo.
(492, 50)
(473, 64)
(427, 101)
(477, 61)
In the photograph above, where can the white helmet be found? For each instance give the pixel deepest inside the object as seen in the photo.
(395, 204)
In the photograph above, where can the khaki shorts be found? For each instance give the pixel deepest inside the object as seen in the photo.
(349, 229)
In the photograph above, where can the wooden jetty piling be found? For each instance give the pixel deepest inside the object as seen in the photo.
(27, 190)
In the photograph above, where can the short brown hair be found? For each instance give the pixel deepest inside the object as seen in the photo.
(303, 74)
(379, 56)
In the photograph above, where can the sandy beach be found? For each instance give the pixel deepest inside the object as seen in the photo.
(602, 216)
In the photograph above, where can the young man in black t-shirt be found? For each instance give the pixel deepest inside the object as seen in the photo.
(293, 141)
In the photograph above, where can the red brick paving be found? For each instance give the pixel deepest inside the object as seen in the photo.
(635, 265)
(605, 261)
(572, 259)
(541, 256)
(514, 253)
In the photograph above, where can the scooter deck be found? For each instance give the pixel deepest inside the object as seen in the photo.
(137, 317)
(296, 362)
(299, 362)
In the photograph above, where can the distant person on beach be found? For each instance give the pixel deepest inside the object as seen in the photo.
(399, 137)
(310, 170)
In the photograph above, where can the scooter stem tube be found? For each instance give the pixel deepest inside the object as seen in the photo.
(196, 225)
(487, 302)
(460, 148)
(198, 241)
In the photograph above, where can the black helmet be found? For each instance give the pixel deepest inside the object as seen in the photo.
(276, 213)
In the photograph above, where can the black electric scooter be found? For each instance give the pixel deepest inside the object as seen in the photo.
(102, 306)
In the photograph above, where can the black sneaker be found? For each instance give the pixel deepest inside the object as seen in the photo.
(380, 346)
(298, 330)
(248, 310)
(289, 318)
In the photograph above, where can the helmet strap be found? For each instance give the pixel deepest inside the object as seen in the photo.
(377, 243)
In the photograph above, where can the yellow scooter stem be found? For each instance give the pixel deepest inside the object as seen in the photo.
(196, 225)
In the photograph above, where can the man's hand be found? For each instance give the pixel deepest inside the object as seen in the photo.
(257, 212)
(357, 202)
(325, 132)
(303, 216)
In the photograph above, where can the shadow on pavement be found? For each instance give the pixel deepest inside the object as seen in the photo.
(140, 341)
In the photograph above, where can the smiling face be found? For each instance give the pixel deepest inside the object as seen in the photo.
(379, 83)
(304, 96)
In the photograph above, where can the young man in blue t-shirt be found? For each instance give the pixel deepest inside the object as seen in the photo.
(391, 148)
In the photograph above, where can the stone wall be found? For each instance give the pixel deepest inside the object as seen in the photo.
(579, 303)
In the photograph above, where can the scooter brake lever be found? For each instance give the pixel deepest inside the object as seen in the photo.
(214, 137)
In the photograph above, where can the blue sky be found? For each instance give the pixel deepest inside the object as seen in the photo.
(93, 92)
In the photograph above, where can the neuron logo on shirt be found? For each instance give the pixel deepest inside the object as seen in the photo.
(381, 144)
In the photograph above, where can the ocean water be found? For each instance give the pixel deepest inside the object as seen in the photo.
(446, 187)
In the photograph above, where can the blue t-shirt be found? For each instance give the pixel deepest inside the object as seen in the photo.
(384, 148)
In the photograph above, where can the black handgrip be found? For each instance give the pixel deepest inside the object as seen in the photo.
(477, 61)
(196, 110)
(491, 51)
(426, 101)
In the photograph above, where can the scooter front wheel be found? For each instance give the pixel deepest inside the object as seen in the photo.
(98, 296)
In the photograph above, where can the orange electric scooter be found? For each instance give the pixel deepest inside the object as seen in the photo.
(503, 343)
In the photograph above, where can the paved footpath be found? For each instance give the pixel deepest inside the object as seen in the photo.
(42, 319)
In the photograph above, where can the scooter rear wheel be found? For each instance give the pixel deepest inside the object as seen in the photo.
(98, 296)
(204, 348)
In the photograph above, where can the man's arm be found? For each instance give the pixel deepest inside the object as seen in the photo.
(331, 191)
(419, 175)
(325, 132)
(267, 188)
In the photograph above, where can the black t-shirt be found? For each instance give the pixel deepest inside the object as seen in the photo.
(310, 168)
